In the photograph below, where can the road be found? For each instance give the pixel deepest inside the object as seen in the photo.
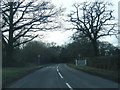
(62, 76)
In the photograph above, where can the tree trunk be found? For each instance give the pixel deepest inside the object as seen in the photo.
(10, 47)
(95, 47)
(9, 58)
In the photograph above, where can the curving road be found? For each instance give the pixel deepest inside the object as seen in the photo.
(62, 76)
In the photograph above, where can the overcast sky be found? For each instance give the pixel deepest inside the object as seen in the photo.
(61, 37)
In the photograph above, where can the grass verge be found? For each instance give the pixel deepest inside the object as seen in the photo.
(11, 74)
(110, 75)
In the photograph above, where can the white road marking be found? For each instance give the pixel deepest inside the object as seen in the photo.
(69, 86)
(57, 70)
(57, 67)
(60, 75)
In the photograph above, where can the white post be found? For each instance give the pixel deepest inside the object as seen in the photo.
(76, 62)
(85, 62)
(38, 59)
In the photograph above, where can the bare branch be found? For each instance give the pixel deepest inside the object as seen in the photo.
(25, 41)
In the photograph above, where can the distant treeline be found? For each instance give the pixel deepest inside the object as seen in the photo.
(36, 52)
(82, 49)
(33, 53)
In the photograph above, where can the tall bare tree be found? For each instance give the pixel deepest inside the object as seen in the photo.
(93, 20)
(21, 19)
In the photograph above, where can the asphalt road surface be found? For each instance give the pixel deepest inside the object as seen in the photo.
(62, 76)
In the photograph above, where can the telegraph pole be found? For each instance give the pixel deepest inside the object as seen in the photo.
(38, 59)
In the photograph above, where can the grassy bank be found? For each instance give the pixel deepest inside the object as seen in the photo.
(111, 75)
(10, 74)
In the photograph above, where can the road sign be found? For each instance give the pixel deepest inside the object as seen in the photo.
(81, 62)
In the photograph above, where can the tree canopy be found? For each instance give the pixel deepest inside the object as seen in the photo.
(21, 19)
(93, 20)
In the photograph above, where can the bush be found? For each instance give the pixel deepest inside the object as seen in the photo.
(105, 62)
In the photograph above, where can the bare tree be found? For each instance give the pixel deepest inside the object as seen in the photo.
(21, 19)
(93, 20)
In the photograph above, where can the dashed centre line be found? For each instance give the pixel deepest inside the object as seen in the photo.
(57, 69)
(62, 78)
(60, 75)
(69, 86)
(59, 72)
